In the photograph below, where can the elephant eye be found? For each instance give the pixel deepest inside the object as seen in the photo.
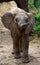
(26, 20)
(16, 19)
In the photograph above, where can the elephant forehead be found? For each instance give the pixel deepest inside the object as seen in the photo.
(22, 16)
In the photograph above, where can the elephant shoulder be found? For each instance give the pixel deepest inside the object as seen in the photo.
(31, 17)
(30, 14)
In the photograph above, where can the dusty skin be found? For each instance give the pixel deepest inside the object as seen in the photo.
(6, 46)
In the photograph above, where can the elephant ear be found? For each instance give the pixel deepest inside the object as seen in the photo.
(30, 23)
(7, 19)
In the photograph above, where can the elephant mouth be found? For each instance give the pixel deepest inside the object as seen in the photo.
(22, 27)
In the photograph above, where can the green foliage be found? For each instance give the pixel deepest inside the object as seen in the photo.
(37, 23)
(37, 16)
(37, 3)
(31, 4)
(36, 9)
(34, 5)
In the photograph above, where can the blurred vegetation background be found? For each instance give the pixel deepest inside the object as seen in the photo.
(34, 7)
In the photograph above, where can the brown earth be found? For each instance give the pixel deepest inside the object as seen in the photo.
(6, 58)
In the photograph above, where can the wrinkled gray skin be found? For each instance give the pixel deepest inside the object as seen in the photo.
(20, 24)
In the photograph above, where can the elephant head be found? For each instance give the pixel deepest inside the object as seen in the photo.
(22, 20)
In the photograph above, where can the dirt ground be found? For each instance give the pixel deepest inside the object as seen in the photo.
(6, 58)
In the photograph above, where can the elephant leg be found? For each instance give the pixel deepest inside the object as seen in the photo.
(25, 47)
(20, 44)
(16, 50)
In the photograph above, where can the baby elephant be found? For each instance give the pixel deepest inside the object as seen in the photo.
(20, 24)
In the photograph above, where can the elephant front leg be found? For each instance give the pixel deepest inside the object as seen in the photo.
(16, 50)
(16, 46)
(20, 44)
(25, 47)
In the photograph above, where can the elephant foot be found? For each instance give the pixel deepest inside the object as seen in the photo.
(25, 60)
(17, 55)
(20, 51)
(13, 52)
